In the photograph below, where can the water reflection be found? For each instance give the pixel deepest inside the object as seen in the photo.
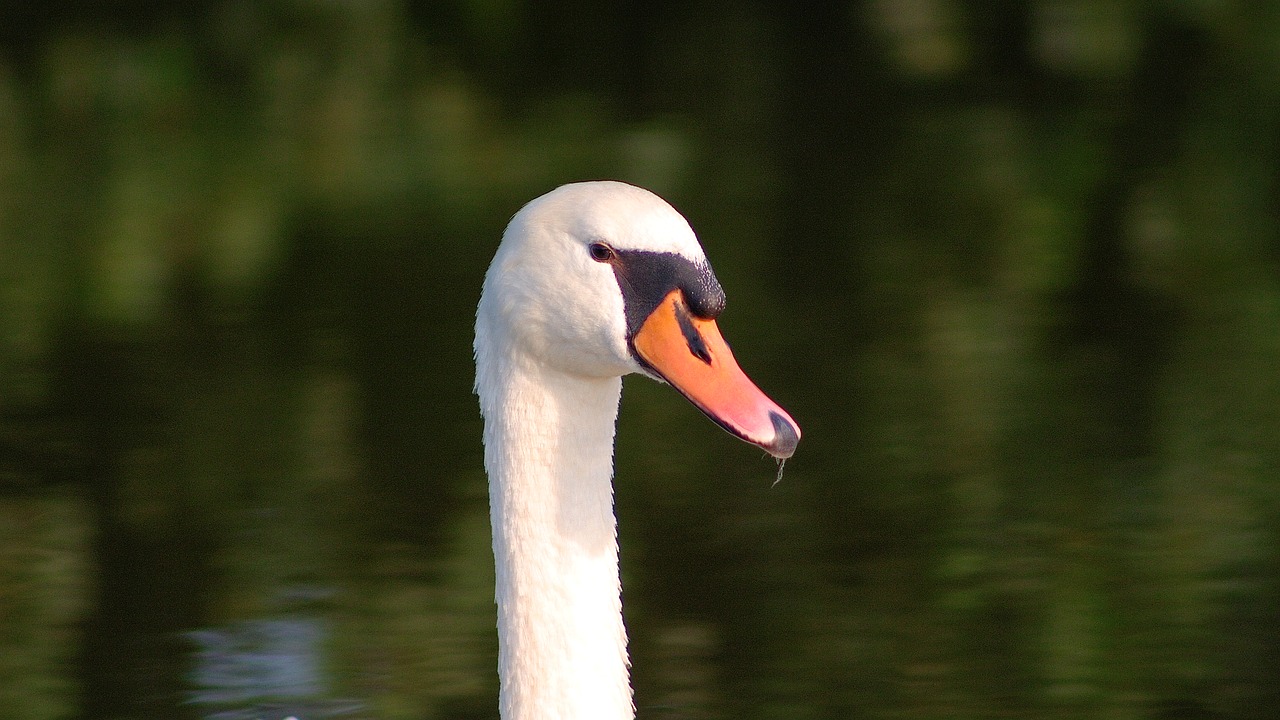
(1014, 271)
(268, 669)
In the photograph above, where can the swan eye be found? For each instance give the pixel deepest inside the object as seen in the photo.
(600, 252)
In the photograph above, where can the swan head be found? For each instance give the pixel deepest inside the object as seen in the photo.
(603, 279)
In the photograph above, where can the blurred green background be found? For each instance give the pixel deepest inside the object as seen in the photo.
(1013, 266)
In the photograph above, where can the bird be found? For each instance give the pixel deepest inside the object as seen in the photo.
(590, 282)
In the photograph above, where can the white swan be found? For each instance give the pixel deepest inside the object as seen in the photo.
(592, 281)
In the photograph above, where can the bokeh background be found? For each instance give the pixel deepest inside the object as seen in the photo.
(1014, 266)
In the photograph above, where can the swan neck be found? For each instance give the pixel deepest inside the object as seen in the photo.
(549, 455)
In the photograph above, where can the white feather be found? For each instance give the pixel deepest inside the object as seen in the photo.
(550, 352)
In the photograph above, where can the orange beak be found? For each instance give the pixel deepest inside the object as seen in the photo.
(690, 353)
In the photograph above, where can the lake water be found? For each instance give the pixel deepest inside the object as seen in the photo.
(1014, 272)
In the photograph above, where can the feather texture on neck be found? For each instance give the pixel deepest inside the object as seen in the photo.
(549, 456)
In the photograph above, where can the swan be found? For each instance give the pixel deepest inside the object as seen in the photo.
(590, 282)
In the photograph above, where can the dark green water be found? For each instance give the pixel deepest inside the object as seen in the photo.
(1013, 267)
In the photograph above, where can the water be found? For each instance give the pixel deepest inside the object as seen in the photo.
(1015, 276)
